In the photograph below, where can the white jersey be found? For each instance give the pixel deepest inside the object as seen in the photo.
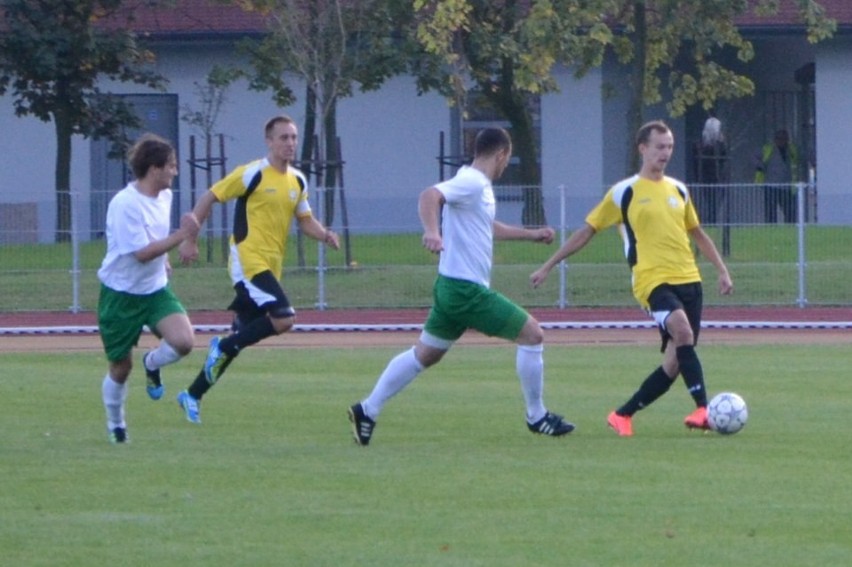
(133, 221)
(467, 226)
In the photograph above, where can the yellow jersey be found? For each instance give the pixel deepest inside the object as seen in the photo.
(267, 201)
(655, 217)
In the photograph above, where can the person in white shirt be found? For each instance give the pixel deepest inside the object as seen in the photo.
(458, 218)
(134, 279)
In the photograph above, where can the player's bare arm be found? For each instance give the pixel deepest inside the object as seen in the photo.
(429, 209)
(708, 249)
(188, 229)
(188, 249)
(314, 229)
(578, 239)
(503, 231)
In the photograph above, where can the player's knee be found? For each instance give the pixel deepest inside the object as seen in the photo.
(531, 333)
(428, 356)
(184, 346)
(683, 337)
(120, 371)
(282, 324)
(282, 318)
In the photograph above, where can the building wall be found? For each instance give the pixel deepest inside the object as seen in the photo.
(572, 146)
(834, 124)
(390, 137)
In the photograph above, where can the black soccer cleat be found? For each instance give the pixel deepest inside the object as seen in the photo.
(118, 435)
(362, 426)
(551, 424)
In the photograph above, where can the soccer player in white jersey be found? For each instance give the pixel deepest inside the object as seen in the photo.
(458, 218)
(658, 221)
(134, 278)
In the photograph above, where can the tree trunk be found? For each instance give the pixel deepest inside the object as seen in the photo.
(525, 148)
(62, 177)
(331, 158)
(308, 134)
(635, 113)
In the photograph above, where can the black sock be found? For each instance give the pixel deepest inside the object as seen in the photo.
(248, 335)
(199, 386)
(693, 374)
(654, 386)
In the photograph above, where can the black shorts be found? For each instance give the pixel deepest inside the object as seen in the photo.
(667, 298)
(262, 296)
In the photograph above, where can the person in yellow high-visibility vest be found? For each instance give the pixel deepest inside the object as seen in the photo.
(777, 168)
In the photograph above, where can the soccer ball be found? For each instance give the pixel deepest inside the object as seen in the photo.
(727, 413)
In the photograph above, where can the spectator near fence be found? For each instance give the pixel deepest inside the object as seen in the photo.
(711, 169)
(777, 169)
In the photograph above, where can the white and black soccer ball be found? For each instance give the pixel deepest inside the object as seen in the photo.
(727, 413)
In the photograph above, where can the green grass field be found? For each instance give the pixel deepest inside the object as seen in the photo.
(452, 478)
(393, 271)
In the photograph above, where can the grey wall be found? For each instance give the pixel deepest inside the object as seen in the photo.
(390, 137)
(834, 124)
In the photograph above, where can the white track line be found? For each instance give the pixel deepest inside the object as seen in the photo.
(798, 325)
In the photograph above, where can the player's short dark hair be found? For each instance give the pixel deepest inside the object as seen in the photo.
(270, 124)
(644, 133)
(491, 140)
(149, 151)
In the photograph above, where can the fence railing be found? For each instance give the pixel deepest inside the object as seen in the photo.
(773, 263)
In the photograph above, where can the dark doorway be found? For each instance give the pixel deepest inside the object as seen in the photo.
(158, 114)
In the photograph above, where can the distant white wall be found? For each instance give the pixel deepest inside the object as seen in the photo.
(834, 129)
(390, 145)
(572, 146)
(390, 137)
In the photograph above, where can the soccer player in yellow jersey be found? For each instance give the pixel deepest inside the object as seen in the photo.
(269, 193)
(657, 218)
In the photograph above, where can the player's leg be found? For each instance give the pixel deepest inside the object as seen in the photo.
(256, 305)
(662, 303)
(496, 315)
(168, 321)
(262, 294)
(120, 320)
(685, 327)
(770, 203)
(790, 205)
(439, 333)
(114, 392)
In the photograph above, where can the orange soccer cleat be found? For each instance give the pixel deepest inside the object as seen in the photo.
(697, 419)
(621, 424)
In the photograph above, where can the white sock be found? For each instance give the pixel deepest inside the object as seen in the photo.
(529, 364)
(398, 374)
(161, 356)
(114, 395)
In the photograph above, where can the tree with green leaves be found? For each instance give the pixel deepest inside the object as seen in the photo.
(334, 46)
(507, 50)
(678, 46)
(53, 56)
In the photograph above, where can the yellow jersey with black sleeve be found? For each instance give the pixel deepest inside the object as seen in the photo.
(267, 201)
(655, 217)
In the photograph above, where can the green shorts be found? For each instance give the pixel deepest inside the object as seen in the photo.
(121, 317)
(460, 305)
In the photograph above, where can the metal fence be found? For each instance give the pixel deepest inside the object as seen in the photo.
(783, 256)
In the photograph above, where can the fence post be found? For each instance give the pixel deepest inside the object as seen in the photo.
(563, 266)
(800, 227)
(75, 252)
(321, 304)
